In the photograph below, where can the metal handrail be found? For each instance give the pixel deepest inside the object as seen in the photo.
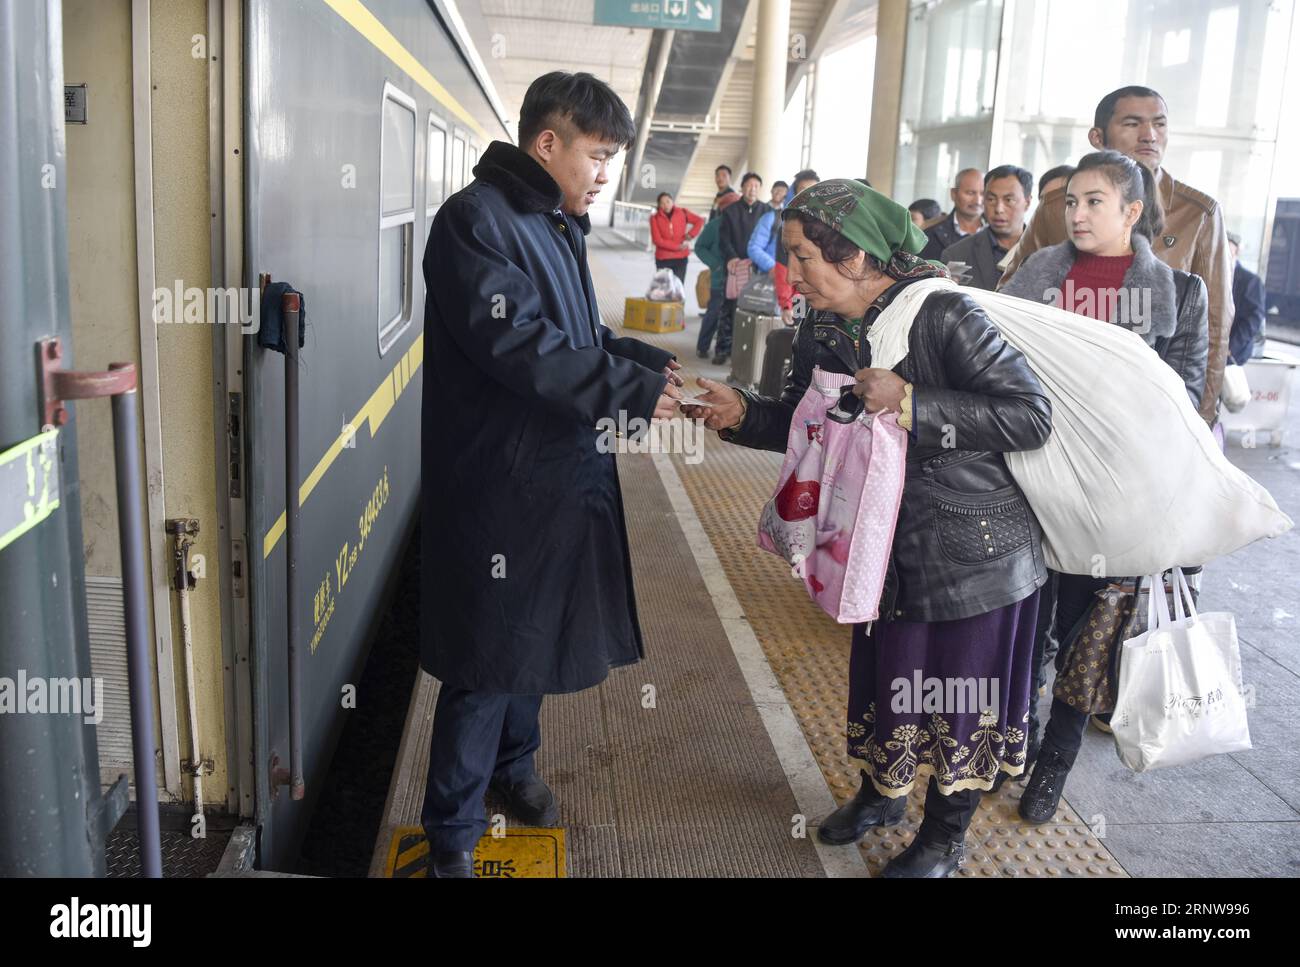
(632, 223)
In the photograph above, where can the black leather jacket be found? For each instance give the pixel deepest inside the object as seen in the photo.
(967, 541)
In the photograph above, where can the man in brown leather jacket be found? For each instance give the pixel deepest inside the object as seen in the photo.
(1134, 120)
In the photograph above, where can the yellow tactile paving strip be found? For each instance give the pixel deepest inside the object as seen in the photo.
(809, 653)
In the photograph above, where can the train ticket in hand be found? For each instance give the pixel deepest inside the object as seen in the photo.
(694, 402)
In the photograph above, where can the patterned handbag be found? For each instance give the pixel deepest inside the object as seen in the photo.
(1087, 664)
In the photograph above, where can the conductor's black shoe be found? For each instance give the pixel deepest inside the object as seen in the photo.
(868, 808)
(1043, 792)
(702, 354)
(531, 801)
(721, 358)
(926, 859)
(451, 865)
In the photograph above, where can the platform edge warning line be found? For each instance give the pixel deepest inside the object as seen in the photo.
(811, 794)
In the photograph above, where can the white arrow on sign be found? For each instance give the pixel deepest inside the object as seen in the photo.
(676, 8)
(705, 10)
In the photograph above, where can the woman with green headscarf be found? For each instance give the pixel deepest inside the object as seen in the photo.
(941, 684)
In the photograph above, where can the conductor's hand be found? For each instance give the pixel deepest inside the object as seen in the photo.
(726, 411)
(666, 408)
(879, 389)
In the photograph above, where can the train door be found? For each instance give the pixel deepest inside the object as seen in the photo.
(104, 245)
(48, 758)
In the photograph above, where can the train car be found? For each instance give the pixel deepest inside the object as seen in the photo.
(198, 152)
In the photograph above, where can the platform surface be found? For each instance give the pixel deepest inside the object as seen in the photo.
(744, 746)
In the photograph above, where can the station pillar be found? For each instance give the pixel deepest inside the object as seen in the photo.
(771, 55)
(887, 95)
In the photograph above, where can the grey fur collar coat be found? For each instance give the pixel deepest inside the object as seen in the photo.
(1173, 319)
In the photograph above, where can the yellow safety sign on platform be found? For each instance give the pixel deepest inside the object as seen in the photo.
(520, 853)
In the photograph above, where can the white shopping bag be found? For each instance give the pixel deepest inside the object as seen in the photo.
(1236, 389)
(1180, 697)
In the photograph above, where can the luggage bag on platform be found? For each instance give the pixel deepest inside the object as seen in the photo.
(749, 345)
(778, 357)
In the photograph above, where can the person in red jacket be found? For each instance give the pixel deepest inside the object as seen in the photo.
(780, 272)
(672, 228)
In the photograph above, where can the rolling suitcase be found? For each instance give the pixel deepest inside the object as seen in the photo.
(748, 346)
(778, 357)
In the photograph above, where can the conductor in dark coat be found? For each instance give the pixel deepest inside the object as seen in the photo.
(525, 571)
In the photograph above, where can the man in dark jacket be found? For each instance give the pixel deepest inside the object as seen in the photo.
(526, 577)
(966, 217)
(738, 221)
(1247, 338)
(1007, 191)
(726, 194)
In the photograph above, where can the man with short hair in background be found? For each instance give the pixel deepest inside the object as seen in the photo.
(1054, 178)
(738, 223)
(1134, 121)
(966, 217)
(784, 290)
(1006, 202)
(1247, 338)
(726, 194)
(925, 212)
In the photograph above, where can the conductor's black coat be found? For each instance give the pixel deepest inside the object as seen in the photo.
(526, 577)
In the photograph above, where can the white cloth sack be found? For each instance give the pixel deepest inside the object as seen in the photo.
(1179, 697)
(1131, 481)
(666, 287)
(1236, 390)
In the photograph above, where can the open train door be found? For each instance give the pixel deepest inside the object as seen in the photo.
(47, 757)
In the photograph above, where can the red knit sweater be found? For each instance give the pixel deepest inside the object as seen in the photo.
(1089, 287)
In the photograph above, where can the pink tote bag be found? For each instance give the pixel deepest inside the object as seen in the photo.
(836, 504)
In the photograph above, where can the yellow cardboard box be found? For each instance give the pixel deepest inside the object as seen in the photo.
(650, 316)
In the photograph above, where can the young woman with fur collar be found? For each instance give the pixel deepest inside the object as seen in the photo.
(1105, 270)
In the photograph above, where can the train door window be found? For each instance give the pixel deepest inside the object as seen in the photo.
(435, 166)
(473, 160)
(396, 215)
(457, 163)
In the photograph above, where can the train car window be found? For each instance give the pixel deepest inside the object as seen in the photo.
(457, 163)
(435, 166)
(473, 160)
(396, 215)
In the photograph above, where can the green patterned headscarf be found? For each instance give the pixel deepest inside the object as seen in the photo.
(874, 223)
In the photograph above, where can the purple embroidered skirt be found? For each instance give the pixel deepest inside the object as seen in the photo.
(948, 698)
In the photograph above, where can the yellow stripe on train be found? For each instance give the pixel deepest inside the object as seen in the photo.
(368, 26)
(372, 413)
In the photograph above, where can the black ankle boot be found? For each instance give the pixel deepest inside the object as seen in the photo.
(928, 859)
(1043, 793)
(868, 808)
